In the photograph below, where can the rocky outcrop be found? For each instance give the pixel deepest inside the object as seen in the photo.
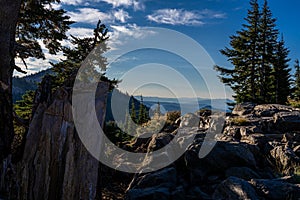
(55, 164)
(259, 143)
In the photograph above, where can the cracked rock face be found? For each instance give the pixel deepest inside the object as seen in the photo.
(55, 163)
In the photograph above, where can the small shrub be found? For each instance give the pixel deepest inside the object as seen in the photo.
(172, 116)
(297, 174)
(204, 112)
(294, 103)
(239, 121)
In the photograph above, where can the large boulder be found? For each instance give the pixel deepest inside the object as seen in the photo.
(285, 159)
(224, 155)
(190, 120)
(242, 172)
(235, 188)
(268, 110)
(243, 109)
(287, 121)
(156, 185)
(276, 189)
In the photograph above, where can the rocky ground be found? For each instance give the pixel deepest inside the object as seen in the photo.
(256, 157)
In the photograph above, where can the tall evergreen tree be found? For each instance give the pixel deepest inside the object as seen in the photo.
(244, 56)
(142, 112)
(281, 74)
(257, 58)
(296, 92)
(267, 47)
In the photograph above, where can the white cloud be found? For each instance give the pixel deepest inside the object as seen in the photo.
(92, 15)
(210, 14)
(73, 2)
(36, 65)
(175, 17)
(88, 15)
(79, 2)
(131, 30)
(55, 6)
(121, 33)
(121, 15)
(137, 5)
(81, 32)
(183, 17)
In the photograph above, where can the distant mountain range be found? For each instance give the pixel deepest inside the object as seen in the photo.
(30, 82)
(187, 105)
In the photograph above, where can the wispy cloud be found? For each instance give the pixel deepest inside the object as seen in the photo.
(184, 17)
(175, 17)
(121, 15)
(35, 65)
(211, 14)
(136, 4)
(55, 6)
(92, 15)
(73, 2)
(81, 32)
(120, 34)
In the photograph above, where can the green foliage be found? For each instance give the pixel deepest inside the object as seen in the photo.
(296, 93)
(135, 117)
(23, 107)
(297, 174)
(172, 116)
(131, 118)
(258, 60)
(239, 121)
(87, 49)
(294, 102)
(243, 56)
(281, 75)
(115, 134)
(143, 117)
(39, 20)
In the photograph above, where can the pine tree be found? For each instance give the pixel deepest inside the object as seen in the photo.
(296, 93)
(281, 74)
(244, 56)
(257, 58)
(82, 47)
(38, 19)
(142, 112)
(267, 48)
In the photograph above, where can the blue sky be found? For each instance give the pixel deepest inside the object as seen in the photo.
(209, 22)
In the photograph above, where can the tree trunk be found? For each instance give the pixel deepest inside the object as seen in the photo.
(9, 11)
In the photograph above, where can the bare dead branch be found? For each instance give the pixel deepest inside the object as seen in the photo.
(20, 70)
